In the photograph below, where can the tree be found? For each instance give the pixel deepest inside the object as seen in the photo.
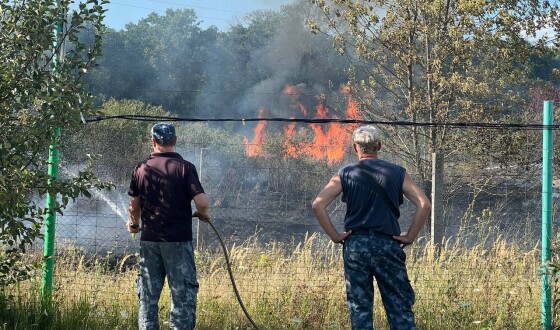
(34, 100)
(172, 62)
(117, 143)
(165, 56)
(438, 61)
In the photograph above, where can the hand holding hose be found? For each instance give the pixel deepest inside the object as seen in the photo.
(201, 217)
(133, 228)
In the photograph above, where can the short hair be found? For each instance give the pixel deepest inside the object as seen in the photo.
(164, 134)
(167, 143)
(367, 138)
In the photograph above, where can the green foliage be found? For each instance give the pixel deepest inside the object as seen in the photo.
(164, 54)
(289, 286)
(190, 71)
(39, 92)
(438, 61)
(119, 144)
(203, 135)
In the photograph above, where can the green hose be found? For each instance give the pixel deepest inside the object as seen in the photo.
(231, 275)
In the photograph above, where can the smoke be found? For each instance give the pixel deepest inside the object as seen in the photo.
(283, 58)
(95, 224)
(293, 56)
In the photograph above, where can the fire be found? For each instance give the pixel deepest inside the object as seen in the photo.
(352, 109)
(330, 141)
(302, 108)
(254, 148)
(317, 141)
(291, 90)
(290, 149)
(295, 93)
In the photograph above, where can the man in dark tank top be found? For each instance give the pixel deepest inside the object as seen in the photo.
(373, 190)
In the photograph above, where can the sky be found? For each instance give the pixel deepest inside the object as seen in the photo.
(221, 13)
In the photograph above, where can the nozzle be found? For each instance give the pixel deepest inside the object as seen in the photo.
(133, 226)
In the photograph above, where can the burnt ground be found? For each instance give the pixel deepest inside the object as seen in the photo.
(98, 224)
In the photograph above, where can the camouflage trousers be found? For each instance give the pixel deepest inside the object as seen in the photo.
(174, 260)
(368, 256)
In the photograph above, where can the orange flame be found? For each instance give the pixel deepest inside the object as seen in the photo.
(352, 109)
(328, 142)
(291, 90)
(302, 108)
(290, 149)
(254, 148)
(295, 92)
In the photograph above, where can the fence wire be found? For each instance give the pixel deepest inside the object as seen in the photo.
(288, 273)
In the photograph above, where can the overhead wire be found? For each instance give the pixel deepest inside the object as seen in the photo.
(163, 11)
(192, 6)
(523, 126)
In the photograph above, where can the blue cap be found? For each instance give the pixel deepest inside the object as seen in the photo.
(163, 131)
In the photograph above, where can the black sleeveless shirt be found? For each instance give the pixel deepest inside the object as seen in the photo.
(365, 208)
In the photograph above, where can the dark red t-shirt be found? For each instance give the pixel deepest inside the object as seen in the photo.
(166, 185)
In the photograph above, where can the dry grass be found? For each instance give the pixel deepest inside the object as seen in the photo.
(291, 287)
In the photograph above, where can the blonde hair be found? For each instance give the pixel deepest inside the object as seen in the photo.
(367, 138)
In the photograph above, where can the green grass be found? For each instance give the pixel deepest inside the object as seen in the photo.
(290, 287)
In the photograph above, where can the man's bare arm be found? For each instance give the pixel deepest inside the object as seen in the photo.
(202, 207)
(134, 213)
(319, 207)
(413, 193)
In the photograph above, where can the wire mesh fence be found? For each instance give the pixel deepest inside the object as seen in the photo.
(486, 273)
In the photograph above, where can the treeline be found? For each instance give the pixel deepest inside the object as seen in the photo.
(170, 61)
(407, 60)
(461, 63)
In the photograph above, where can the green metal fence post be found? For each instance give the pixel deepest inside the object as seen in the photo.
(548, 118)
(50, 219)
(50, 222)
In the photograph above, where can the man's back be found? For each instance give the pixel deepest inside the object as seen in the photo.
(161, 189)
(166, 184)
(372, 239)
(366, 208)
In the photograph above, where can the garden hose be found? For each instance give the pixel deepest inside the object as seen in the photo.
(231, 275)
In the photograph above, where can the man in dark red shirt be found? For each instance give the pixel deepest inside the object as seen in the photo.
(161, 189)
